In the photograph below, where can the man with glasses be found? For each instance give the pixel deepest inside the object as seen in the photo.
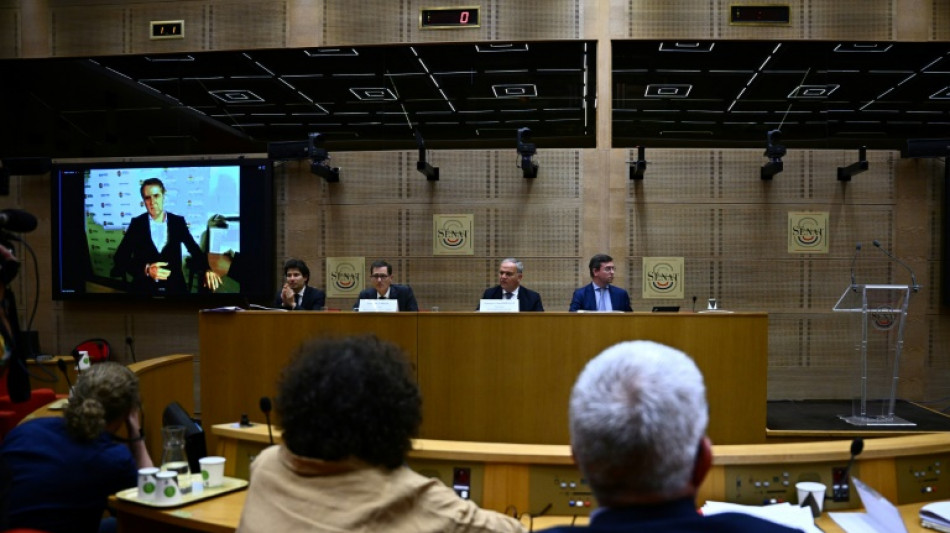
(381, 273)
(297, 294)
(509, 287)
(599, 294)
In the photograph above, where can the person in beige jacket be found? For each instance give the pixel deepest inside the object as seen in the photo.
(349, 409)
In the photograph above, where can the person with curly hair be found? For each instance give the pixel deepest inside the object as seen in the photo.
(64, 469)
(349, 409)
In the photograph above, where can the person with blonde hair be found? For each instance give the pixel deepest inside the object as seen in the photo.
(64, 469)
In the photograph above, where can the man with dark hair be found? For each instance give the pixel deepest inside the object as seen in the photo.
(638, 418)
(297, 294)
(599, 294)
(510, 272)
(349, 409)
(383, 288)
(150, 251)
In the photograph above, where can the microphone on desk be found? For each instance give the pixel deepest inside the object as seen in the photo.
(265, 408)
(857, 446)
(841, 479)
(913, 277)
(131, 343)
(62, 368)
(694, 304)
(857, 250)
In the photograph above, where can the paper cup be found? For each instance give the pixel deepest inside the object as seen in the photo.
(148, 484)
(168, 491)
(815, 489)
(212, 470)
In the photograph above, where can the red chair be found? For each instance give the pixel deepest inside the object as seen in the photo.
(12, 413)
(99, 350)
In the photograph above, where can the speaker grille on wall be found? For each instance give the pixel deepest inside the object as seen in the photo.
(926, 148)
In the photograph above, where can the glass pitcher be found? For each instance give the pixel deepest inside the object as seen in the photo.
(174, 458)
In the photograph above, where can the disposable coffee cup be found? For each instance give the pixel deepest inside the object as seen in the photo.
(212, 470)
(814, 490)
(148, 484)
(168, 491)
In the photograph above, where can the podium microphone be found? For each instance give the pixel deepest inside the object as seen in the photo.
(62, 368)
(913, 277)
(857, 250)
(265, 408)
(694, 304)
(131, 343)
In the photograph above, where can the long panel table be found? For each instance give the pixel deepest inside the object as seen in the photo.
(497, 377)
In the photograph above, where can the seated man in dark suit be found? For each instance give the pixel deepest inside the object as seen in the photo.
(297, 294)
(638, 417)
(510, 272)
(383, 288)
(594, 296)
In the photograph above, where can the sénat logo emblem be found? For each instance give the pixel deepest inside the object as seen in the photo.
(453, 234)
(808, 232)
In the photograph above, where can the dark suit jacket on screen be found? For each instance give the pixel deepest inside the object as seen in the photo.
(313, 300)
(137, 250)
(528, 300)
(401, 293)
(585, 299)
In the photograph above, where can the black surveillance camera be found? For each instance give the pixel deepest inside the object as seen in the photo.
(525, 147)
(527, 150)
(775, 150)
(324, 170)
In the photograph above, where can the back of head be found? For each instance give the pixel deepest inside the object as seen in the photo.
(638, 414)
(104, 393)
(350, 397)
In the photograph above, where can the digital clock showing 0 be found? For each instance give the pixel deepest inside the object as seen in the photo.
(449, 17)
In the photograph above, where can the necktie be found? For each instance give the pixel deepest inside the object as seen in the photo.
(600, 298)
(297, 298)
(508, 295)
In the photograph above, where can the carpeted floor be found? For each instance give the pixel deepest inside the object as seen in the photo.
(822, 415)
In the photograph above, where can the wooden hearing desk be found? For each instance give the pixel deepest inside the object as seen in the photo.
(493, 377)
(508, 471)
(222, 514)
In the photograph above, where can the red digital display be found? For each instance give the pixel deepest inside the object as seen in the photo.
(454, 17)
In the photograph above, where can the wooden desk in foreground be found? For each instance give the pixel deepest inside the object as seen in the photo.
(494, 377)
(904, 469)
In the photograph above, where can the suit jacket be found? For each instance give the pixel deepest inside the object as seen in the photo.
(137, 250)
(528, 300)
(585, 298)
(401, 293)
(678, 516)
(313, 299)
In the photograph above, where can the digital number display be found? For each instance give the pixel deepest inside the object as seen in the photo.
(449, 17)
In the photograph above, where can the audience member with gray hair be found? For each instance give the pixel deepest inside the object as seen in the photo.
(638, 418)
(64, 469)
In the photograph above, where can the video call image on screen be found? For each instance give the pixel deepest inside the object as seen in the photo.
(207, 197)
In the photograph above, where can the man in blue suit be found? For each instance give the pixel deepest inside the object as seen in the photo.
(599, 295)
(509, 286)
(638, 417)
(383, 288)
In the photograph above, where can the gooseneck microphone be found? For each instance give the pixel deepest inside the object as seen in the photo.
(913, 277)
(131, 343)
(857, 250)
(694, 304)
(857, 446)
(62, 368)
(265, 408)
(17, 220)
